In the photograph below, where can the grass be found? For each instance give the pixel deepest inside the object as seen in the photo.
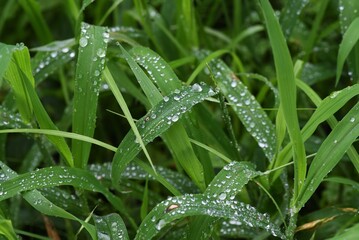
(179, 119)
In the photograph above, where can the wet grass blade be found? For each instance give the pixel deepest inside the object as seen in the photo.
(287, 92)
(90, 64)
(111, 227)
(163, 76)
(350, 40)
(43, 205)
(156, 122)
(244, 104)
(348, 13)
(290, 14)
(329, 154)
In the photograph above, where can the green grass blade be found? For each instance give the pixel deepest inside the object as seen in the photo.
(8, 119)
(348, 12)
(5, 58)
(111, 227)
(90, 64)
(60, 176)
(287, 92)
(43, 205)
(225, 186)
(245, 106)
(350, 233)
(350, 39)
(18, 72)
(33, 11)
(290, 14)
(157, 121)
(329, 154)
(6, 229)
(193, 205)
(325, 110)
(162, 75)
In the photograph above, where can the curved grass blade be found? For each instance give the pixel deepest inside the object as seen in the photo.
(90, 63)
(110, 227)
(225, 186)
(350, 39)
(348, 234)
(5, 58)
(329, 154)
(287, 92)
(324, 112)
(6, 229)
(157, 121)
(244, 105)
(193, 205)
(45, 63)
(163, 76)
(43, 205)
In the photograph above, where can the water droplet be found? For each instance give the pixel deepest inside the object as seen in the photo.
(175, 118)
(196, 87)
(352, 119)
(160, 224)
(83, 42)
(171, 207)
(165, 98)
(222, 196)
(97, 73)
(101, 53)
(234, 84)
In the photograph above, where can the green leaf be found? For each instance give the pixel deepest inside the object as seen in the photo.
(244, 104)
(43, 205)
(349, 234)
(329, 154)
(110, 227)
(90, 64)
(290, 14)
(287, 92)
(17, 73)
(157, 121)
(350, 39)
(193, 205)
(225, 186)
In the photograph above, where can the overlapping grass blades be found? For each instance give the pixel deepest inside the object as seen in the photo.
(330, 152)
(157, 121)
(111, 227)
(287, 92)
(218, 202)
(92, 46)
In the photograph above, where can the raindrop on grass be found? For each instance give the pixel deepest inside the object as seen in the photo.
(196, 87)
(160, 224)
(83, 42)
(101, 53)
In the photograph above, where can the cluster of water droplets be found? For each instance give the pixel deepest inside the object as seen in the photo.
(245, 105)
(9, 119)
(190, 204)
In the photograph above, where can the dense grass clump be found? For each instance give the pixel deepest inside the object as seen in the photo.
(179, 119)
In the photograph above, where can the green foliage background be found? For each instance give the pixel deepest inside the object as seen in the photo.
(179, 119)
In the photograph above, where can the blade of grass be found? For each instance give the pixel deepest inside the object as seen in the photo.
(287, 92)
(157, 121)
(90, 64)
(350, 39)
(290, 14)
(329, 154)
(110, 227)
(43, 205)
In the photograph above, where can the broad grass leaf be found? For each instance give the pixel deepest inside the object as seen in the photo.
(225, 186)
(157, 121)
(350, 233)
(43, 205)
(110, 227)
(329, 154)
(90, 64)
(6, 229)
(244, 105)
(350, 40)
(287, 91)
(194, 205)
(59, 176)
